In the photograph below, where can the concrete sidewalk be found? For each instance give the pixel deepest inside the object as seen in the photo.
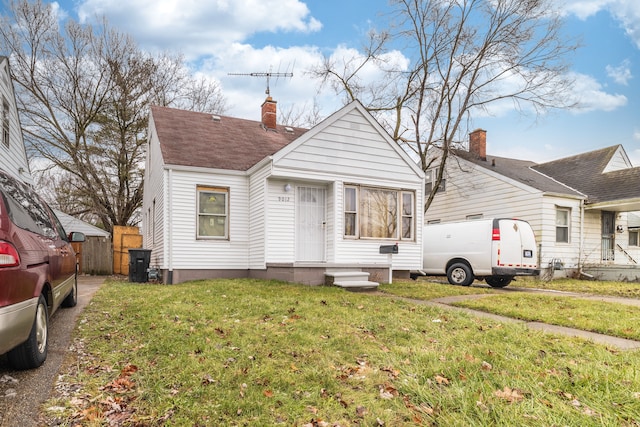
(620, 343)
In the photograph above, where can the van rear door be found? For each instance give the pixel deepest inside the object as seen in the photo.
(516, 244)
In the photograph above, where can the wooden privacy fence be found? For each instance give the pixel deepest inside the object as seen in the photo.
(95, 255)
(124, 238)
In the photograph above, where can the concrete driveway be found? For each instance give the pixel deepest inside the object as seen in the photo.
(22, 392)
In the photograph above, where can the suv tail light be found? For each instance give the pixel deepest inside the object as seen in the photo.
(8, 255)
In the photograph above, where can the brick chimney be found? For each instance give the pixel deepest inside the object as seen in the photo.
(478, 143)
(269, 113)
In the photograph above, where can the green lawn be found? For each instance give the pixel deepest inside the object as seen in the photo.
(618, 289)
(595, 316)
(257, 353)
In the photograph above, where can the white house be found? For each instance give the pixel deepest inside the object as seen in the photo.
(13, 157)
(228, 197)
(580, 207)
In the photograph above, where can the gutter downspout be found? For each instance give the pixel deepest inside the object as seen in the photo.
(170, 226)
(581, 244)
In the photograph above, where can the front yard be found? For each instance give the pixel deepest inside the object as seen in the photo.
(256, 353)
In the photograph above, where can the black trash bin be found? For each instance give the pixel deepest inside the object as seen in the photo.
(139, 260)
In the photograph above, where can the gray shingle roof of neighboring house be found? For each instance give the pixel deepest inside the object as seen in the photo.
(521, 171)
(71, 223)
(584, 172)
(190, 138)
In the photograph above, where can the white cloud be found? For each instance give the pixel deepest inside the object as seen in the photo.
(620, 74)
(198, 28)
(583, 8)
(590, 96)
(246, 93)
(627, 12)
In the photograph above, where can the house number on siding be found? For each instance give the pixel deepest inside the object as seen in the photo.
(284, 199)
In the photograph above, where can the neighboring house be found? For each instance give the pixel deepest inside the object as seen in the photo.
(228, 197)
(13, 156)
(580, 207)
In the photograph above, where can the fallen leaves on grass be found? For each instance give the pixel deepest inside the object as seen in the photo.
(442, 380)
(509, 394)
(387, 391)
(123, 383)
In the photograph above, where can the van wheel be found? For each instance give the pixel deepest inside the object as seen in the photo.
(498, 281)
(33, 352)
(460, 274)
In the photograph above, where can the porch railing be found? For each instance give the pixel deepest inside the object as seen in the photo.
(627, 254)
(608, 253)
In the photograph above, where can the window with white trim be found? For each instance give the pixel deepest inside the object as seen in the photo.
(634, 237)
(213, 213)
(379, 213)
(430, 177)
(408, 209)
(563, 218)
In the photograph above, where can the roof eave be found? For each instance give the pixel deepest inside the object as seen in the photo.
(625, 205)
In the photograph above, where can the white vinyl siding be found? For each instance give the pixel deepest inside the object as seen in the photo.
(258, 215)
(338, 151)
(187, 251)
(281, 220)
(154, 204)
(617, 162)
(474, 192)
(13, 157)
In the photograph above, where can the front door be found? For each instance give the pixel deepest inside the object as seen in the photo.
(608, 235)
(310, 224)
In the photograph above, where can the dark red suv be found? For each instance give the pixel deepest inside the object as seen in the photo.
(38, 272)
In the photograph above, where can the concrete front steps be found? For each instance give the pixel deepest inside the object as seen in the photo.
(350, 280)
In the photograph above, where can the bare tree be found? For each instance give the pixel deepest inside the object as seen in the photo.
(464, 57)
(300, 116)
(83, 94)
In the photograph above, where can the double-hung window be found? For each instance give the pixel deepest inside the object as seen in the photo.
(430, 178)
(563, 216)
(213, 213)
(378, 213)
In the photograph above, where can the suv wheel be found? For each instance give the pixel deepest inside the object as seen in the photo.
(33, 352)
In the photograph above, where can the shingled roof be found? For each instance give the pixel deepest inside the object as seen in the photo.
(585, 173)
(519, 170)
(189, 138)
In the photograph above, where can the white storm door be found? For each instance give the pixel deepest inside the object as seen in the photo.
(310, 223)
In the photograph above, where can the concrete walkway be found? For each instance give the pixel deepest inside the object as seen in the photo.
(620, 343)
(22, 392)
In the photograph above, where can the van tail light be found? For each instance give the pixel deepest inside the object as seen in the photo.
(495, 234)
(8, 255)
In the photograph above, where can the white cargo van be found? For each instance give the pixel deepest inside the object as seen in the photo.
(496, 250)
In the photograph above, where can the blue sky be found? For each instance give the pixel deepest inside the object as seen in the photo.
(219, 37)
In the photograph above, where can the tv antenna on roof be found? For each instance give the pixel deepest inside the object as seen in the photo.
(268, 75)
